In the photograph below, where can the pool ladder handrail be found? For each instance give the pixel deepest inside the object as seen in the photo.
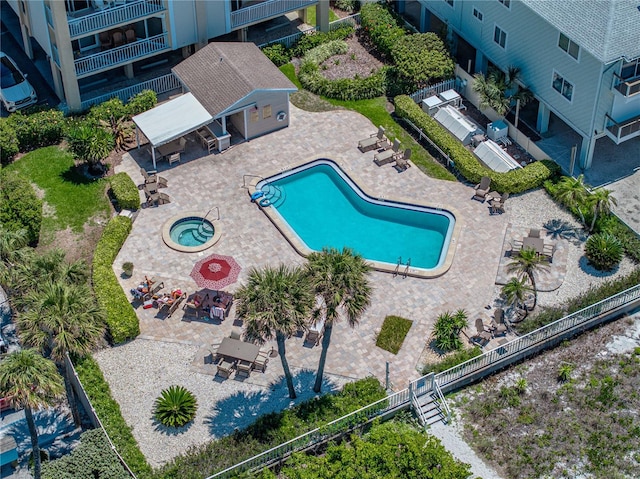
(396, 272)
(211, 209)
(244, 179)
(406, 270)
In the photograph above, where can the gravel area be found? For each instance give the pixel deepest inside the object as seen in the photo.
(223, 406)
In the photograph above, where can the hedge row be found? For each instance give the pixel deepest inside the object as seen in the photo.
(29, 132)
(110, 415)
(382, 27)
(514, 181)
(325, 51)
(20, 207)
(122, 320)
(125, 191)
(271, 430)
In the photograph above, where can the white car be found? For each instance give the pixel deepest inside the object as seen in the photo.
(16, 92)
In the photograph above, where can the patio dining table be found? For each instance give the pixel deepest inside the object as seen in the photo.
(236, 349)
(536, 243)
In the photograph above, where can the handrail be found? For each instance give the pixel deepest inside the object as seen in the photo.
(442, 400)
(244, 179)
(205, 216)
(406, 270)
(416, 406)
(397, 270)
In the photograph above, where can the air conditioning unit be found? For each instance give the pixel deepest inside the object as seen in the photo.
(497, 130)
(430, 105)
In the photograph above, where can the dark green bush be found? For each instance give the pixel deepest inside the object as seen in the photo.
(628, 238)
(278, 54)
(20, 207)
(105, 110)
(394, 330)
(92, 458)
(143, 101)
(125, 191)
(348, 6)
(604, 251)
(270, 430)
(122, 320)
(452, 360)
(422, 59)
(175, 407)
(38, 129)
(110, 415)
(9, 146)
(312, 40)
(381, 26)
(514, 181)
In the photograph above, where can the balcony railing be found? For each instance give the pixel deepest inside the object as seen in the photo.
(622, 131)
(118, 56)
(628, 87)
(268, 9)
(110, 17)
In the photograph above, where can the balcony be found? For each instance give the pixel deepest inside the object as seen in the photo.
(98, 20)
(266, 10)
(628, 87)
(114, 57)
(623, 131)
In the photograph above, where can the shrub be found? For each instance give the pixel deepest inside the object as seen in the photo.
(381, 26)
(325, 51)
(312, 40)
(20, 207)
(9, 146)
(122, 320)
(452, 360)
(447, 330)
(125, 191)
(564, 372)
(90, 143)
(346, 89)
(604, 251)
(110, 415)
(514, 181)
(93, 457)
(626, 236)
(175, 407)
(394, 330)
(38, 129)
(349, 6)
(105, 110)
(278, 54)
(143, 101)
(421, 59)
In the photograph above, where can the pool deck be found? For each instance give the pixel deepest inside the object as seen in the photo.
(202, 182)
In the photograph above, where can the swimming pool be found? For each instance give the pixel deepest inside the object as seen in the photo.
(317, 204)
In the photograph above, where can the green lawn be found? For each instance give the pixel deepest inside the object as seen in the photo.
(311, 16)
(392, 334)
(71, 199)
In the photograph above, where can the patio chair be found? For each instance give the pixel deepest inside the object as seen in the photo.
(243, 368)
(106, 42)
(534, 233)
(482, 188)
(497, 324)
(482, 336)
(158, 199)
(261, 361)
(151, 177)
(130, 35)
(235, 334)
(118, 38)
(387, 155)
(402, 160)
(174, 158)
(497, 205)
(176, 304)
(225, 368)
(377, 140)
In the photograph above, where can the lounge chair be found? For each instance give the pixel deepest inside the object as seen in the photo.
(482, 336)
(151, 177)
(497, 205)
(482, 188)
(402, 160)
(387, 155)
(158, 199)
(153, 290)
(377, 140)
(176, 303)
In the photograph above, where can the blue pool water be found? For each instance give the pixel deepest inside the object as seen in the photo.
(192, 231)
(324, 207)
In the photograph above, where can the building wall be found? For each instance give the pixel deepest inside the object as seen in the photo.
(184, 21)
(278, 101)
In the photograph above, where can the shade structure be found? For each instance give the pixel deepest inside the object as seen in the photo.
(216, 271)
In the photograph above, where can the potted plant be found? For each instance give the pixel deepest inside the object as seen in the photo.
(127, 268)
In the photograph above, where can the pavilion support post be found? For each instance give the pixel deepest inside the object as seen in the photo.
(153, 156)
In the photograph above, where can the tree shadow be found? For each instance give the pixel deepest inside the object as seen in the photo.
(561, 229)
(243, 408)
(586, 267)
(78, 175)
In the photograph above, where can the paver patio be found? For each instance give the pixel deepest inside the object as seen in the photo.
(202, 182)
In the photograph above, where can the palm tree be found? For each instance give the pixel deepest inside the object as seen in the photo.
(527, 263)
(275, 302)
(515, 292)
(62, 319)
(573, 193)
(340, 278)
(30, 382)
(500, 90)
(602, 203)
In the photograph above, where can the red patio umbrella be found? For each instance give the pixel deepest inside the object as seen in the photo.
(215, 271)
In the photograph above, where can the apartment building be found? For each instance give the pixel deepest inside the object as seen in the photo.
(87, 41)
(581, 59)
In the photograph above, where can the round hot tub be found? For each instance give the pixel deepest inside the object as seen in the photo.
(190, 232)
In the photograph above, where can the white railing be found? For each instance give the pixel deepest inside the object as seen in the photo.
(268, 9)
(160, 85)
(418, 409)
(289, 40)
(120, 55)
(442, 401)
(422, 385)
(434, 90)
(110, 17)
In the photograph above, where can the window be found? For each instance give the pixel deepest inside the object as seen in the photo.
(500, 36)
(266, 112)
(630, 70)
(569, 46)
(478, 14)
(254, 115)
(506, 3)
(450, 2)
(562, 86)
